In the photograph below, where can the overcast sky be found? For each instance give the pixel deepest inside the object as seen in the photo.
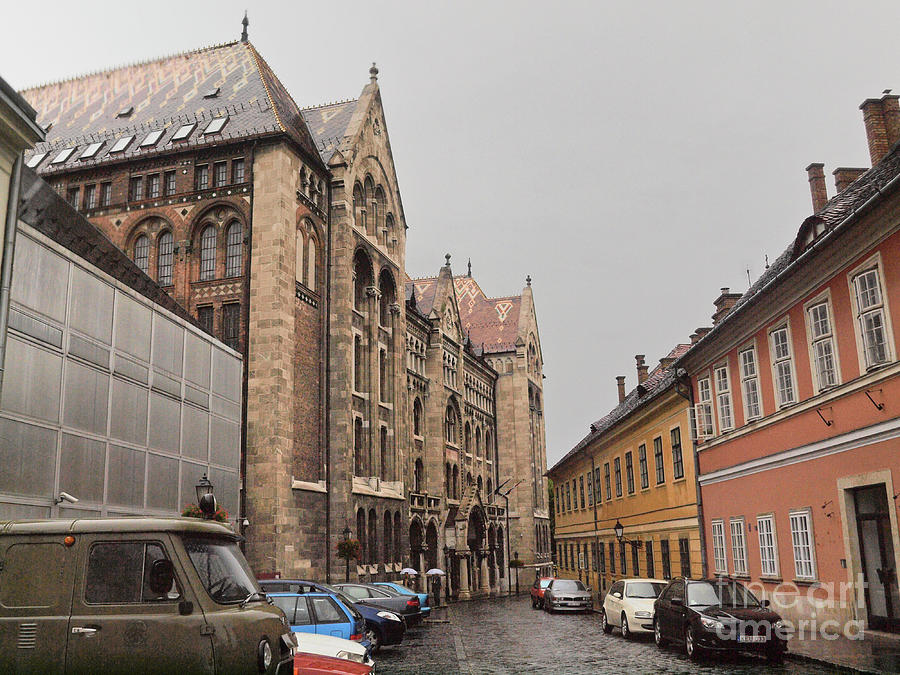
(632, 157)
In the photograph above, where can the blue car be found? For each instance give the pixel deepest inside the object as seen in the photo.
(322, 614)
(382, 628)
(425, 604)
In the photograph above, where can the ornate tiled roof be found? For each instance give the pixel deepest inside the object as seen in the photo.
(195, 87)
(328, 124)
(657, 382)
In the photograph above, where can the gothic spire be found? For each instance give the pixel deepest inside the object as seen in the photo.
(245, 22)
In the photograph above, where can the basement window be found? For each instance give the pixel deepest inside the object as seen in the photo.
(63, 156)
(152, 139)
(91, 150)
(121, 144)
(215, 126)
(184, 131)
(35, 159)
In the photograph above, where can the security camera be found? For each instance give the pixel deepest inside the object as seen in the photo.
(66, 497)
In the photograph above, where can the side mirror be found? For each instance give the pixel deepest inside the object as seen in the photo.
(589, 590)
(678, 602)
(617, 595)
(765, 603)
(161, 577)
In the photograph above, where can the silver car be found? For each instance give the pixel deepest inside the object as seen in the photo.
(567, 595)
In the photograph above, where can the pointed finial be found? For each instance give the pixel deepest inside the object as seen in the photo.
(470, 267)
(244, 23)
(448, 259)
(528, 280)
(373, 73)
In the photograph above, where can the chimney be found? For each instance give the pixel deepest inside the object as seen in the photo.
(723, 304)
(844, 175)
(620, 385)
(876, 131)
(665, 362)
(641, 368)
(698, 334)
(890, 108)
(816, 173)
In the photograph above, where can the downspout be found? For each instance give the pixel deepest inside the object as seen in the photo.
(326, 388)
(245, 384)
(595, 489)
(689, 397)
(9, 246)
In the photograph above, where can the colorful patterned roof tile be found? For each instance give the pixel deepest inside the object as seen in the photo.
(230, 80)
(328, 125)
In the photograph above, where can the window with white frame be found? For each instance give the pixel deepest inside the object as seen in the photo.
(704, 409)
(723, 398)
(738, 546)
(802, 543)
(750, 383)
(718, 540)
(822, 345)
(870, 315)
(768, 549)
(783, 365)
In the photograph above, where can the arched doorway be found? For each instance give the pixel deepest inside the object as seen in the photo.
(476, 540)
(431, 541)
(416, 542)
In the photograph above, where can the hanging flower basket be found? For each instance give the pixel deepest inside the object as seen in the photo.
(348, 549)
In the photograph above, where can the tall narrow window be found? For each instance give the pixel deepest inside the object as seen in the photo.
(581, 489)
(208, 253)
(205, 317)
(164, 259)
(383, 446)
(602, 555)
(358, 468)
(768, 549)
(90, 196)
(802, 543)
(135, 188)
(629, 472)
(590, 488)
(234, 237)
(622, 556)
(201, 177)
(105, 194)
(666, 559)
(677, 458)
(237, 171)
(704, 408)
(568, 496)
(738, 546)
(142, 253)
(606, 480)
(153, 184)
(658, 460)
(450, 425)
(358, 382)
(618, 470)
(311, 264)
(598, 495)
(231, 324)
(642, 463)
(648, 549)
(72, 197)
(750, 383)
(382, 375)
(870, 315)
(783, 365)
(822, 345)
(220, 174)
(720, 563)
(723, 398)
(169, 183)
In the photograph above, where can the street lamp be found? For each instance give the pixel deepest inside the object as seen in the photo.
(206, 500)
(620, 531)
(346, 560)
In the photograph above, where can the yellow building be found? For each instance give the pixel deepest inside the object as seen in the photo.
(635, 468)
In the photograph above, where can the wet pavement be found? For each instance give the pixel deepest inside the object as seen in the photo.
(505, 635)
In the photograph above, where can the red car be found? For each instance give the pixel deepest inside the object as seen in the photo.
(537, 591)
(313, 664)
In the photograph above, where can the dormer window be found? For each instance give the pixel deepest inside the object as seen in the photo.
(215, 126)
(125, 112)
(91, 150)
(152, 139)
(35, 159)
(63, 156)
(121, 144)
(184, 131)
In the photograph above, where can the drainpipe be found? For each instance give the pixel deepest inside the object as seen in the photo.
(9, 246)
(326, 308)
(596, 490)
(689, 397)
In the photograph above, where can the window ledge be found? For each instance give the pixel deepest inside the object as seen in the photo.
(769, 579)
(309, 486)
(812, 583)
(740, 576)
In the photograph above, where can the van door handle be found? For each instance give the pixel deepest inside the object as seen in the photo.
(87, 632)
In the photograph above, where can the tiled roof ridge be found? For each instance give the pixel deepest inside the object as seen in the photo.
(262, 78)
(124, 66)
(329, 105)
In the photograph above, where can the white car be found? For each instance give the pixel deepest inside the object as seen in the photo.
(326, 645)
(629, 606)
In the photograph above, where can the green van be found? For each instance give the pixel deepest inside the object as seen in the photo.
(134, 595)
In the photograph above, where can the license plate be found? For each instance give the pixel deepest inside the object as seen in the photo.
(751, 638)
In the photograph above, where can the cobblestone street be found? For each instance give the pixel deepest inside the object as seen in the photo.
(506, 636)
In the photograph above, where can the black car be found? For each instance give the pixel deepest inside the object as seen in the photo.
(384, 597)
(720, 614)
(383, 627)
(567, 595)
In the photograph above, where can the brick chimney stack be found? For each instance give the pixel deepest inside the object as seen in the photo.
(641, 368)
(817, 188)
(882, 120)
(725, 302)
(698, 334)
(665, 362)
(620, 385)
(844, 175)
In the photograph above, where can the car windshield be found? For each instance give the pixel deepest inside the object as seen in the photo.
(643, 589)
(545, 582)
(343, 597)
(567, 585)
(222, 569)
(720, 594)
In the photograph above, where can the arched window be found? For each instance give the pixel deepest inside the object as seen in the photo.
(311, 266)
(448, 481)
(480, 484)
(389, 225)
(379, 207)
(358, 441)
(298, 256)
(234, 237)
(388, 297)
(478, 442)
(490, 490)
(418, 476)
(362, 279)
(359, 206)
(164, 258)
(468, 478)
(384, 454)
(397, 555)
(369, 191)
(373, 537)
(450, 425)
(467, 438)
(417, 417)
(361, 535)
(142, 253)
(208, 253)
(455, 481)
(388, 542)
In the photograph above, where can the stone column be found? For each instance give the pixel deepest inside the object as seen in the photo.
(495, 589)
(464, 593)
(420, 568)
(485, 579)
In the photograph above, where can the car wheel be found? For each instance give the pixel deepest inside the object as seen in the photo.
(657, 635)
(604, 623)
(626, 633)
(373, 635)
(690, 644)
(533, 603)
